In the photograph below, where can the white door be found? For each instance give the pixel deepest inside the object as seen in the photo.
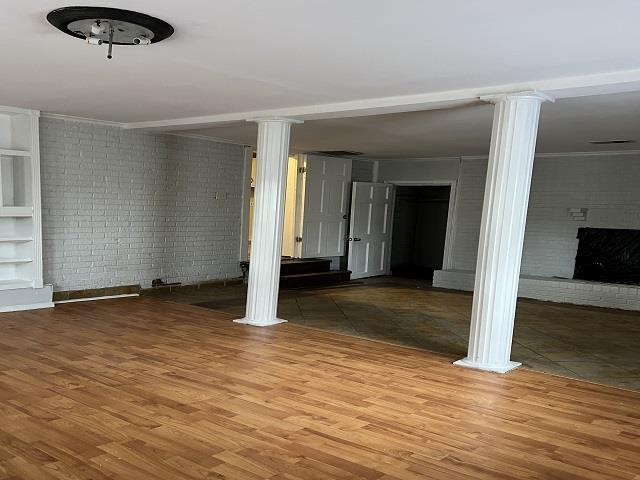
(326, 203)
(370, 229)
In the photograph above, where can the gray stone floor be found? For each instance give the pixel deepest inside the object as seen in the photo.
(593, 344)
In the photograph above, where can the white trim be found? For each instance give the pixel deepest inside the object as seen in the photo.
(247, 158)
(273, 118)
(566, 87)
(91, 299)
(374, 160)
(21, 111)
(447, 257)
(595, 153)
(71, 118)
(36, 197)
(30, 306)
(420, 159)
(107, 123)
(300, 203)
(205, 138)
(530, 95)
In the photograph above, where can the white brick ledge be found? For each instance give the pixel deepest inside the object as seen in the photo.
(577, 292)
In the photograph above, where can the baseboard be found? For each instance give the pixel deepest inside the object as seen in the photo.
(91, 299)
(32, 306)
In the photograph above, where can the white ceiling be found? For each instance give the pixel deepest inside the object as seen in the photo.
(565, 126)
(248, 55)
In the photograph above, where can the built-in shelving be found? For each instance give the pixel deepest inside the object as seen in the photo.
(21, 285)
(14, 153)
(15, 239)
(14, 283)
(16, 211)
(15, 260)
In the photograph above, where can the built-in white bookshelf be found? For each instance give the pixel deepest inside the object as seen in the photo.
(20, 212)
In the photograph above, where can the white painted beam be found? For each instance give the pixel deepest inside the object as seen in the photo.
(566, 87)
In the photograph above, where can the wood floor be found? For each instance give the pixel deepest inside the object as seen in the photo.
(143, 389)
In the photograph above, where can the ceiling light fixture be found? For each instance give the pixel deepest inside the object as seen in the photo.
(114, 26)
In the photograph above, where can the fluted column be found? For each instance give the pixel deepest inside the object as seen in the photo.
(268, 217)
(504, 214)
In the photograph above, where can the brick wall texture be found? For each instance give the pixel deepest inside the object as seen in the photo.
(124, 207)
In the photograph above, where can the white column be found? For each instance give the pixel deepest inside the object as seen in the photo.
(268, 216)
(504, 214)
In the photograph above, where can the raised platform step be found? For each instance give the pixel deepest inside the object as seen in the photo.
(316, 279)
(294, 266)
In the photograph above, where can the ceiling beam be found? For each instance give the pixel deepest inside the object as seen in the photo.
(558, 88)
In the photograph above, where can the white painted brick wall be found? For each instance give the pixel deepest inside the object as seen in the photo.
(362, 170)
(609, 186)
(577, 292)
(124, 207)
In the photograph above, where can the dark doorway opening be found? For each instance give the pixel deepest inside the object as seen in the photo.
(419, 230)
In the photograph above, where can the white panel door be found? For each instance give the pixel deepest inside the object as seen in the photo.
(370, 229)
(326, 203)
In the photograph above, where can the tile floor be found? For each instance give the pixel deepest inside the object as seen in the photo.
(593, 344)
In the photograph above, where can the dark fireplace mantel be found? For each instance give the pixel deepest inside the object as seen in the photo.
(608, 255)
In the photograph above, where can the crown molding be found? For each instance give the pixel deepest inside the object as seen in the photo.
(598, 153)
(206, 138)
(23, 111)
(421, 159)
(71, 118)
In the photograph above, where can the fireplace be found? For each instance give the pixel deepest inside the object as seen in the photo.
(608, 255)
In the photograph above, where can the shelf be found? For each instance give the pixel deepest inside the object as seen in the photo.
(14, 153)
(16, 211)
(15, 260)
(15, 239)
(14, 283)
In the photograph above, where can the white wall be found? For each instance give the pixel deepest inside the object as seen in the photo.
(608, 185)
(362, 170)
(124, 207)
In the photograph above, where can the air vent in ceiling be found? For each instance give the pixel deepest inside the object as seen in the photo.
(610, 142)
(338, 153)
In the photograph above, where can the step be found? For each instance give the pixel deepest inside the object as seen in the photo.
(317, 279)
(294, 266)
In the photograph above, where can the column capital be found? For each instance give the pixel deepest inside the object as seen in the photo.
(274, 119)
(526, 95)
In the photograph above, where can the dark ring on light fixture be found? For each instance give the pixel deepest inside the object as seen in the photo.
(62, 17)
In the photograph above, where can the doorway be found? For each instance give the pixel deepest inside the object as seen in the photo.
(289, 223)
(419, 230)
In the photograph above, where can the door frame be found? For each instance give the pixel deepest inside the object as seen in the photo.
(301, 160)
(447, 258)
(247, 158)
(301, 185)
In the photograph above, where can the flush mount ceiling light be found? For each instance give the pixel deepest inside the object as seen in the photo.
(113, 26)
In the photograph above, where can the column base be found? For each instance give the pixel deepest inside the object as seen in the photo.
(502, 368)
(259, 323)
